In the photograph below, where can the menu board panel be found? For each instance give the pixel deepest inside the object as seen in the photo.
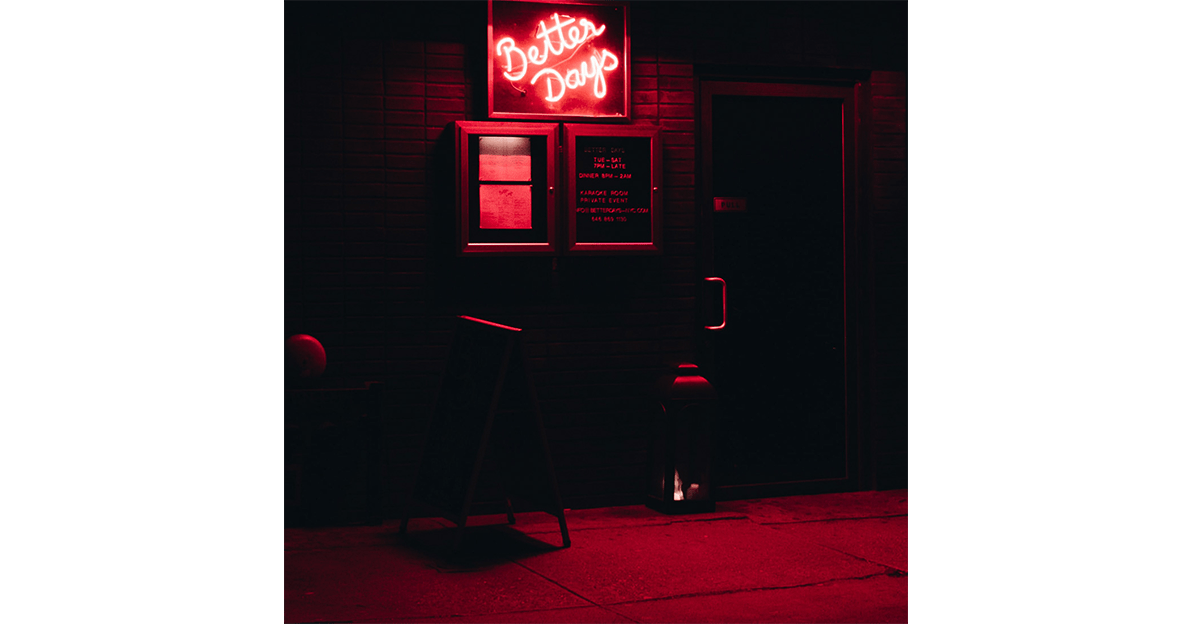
(506, 180)
(613, 199)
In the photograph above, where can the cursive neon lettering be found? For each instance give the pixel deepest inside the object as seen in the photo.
(562, 35)
(550, 95)
(510, 50)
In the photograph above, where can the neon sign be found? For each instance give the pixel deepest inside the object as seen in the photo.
(599, 62)
(548, 60)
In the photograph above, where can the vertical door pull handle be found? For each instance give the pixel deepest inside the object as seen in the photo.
(723, 303)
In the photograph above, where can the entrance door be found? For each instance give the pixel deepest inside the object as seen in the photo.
(779, 158)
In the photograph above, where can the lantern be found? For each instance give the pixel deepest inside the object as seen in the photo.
(681, 444)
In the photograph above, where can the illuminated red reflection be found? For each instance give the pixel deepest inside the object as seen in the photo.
(506, 207)
(505, 159)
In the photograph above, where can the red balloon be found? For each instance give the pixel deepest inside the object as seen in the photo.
(305, 356)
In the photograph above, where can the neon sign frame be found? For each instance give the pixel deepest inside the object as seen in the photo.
(590, 82)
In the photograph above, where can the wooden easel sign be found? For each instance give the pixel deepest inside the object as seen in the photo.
(486, 403)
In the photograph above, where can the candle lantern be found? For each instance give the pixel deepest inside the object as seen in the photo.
(681, 444)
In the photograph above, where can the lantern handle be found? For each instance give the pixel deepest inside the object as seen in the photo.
(723, 304)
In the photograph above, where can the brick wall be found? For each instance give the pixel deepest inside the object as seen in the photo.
(888, 219)
(370, 266)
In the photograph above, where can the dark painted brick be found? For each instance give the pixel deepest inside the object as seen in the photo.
(364, 87)
(404, 132)
(645, 97)
(890, 179)
(363, 101)
(644, 111)
(671, 83)
(366, 146)
(888, 115)
(644, 69)
(322, 70)
(445, 61)
(678, 166)
(890, 102)
(363, 160)
(417, 206)
(889, 153)
(677, 111)
(406, 59)
(444, 91)
(433, 47)
(404, 147)
(324, 130)
(684, 179)
(890, 140)
(323, 219)
(314, 115)
(364, 190)
(678, 125)
(362, 52)
(315, 100)
(363, 72)
(404, 118)
(404, 88)
(400, 47)
(295, 160)
(671, 69)
(405, 176)
(438, 120)
(445, 76)
(322, 190)
(406, 221)
(404, 190)
(687, 153)
(404, 103)
(364, 132)
(404, 74)
(678, 138)
(451, 105)
(888, 90)
(322, 85)
(363, 175)
(395, 161)
(678, 97)
(363, 117)
(642, 84)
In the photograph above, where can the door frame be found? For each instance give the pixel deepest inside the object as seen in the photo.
(851, 91)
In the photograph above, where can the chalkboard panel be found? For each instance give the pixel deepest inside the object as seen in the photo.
(613, 200)
(486, 403)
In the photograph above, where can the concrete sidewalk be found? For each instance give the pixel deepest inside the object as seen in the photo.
(826, 558)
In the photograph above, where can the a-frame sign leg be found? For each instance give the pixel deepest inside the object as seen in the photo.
(563, 528)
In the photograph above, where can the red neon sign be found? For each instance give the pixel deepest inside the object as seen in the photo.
(552, 61)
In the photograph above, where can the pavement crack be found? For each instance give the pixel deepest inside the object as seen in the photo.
(890, 570)
(745, 590)
(832, 519)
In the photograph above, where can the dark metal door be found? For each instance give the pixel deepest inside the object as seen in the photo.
(779, 158)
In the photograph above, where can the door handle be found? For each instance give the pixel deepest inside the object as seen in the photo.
(723, 303)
